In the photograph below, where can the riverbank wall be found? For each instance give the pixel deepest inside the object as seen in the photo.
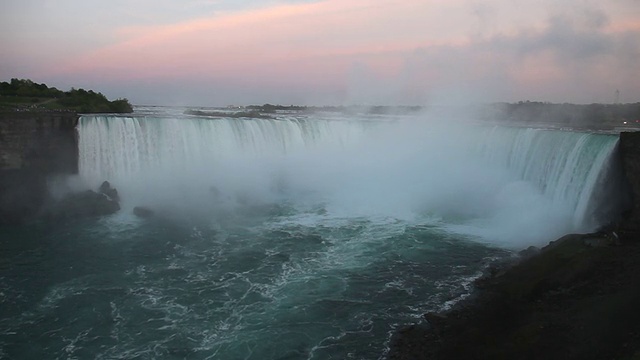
(34, 145)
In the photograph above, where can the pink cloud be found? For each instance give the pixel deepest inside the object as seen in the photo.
(397, 49)
(281, 39)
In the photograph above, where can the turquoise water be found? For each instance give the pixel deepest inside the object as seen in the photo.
(267, 282)
(298, 237)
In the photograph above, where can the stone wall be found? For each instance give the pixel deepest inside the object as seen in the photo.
(33, 146)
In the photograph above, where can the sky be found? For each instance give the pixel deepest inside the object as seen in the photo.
(327, 52)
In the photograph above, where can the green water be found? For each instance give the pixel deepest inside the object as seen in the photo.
(259, 282)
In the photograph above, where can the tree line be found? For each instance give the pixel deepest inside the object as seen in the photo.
(26, 94)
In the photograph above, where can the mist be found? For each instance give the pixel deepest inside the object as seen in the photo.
(414, 169)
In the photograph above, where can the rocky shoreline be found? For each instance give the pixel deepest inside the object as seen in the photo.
(576, 298)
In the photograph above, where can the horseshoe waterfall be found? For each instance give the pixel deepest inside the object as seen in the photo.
(291, 237)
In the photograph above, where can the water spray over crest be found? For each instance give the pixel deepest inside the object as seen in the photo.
(509, 186)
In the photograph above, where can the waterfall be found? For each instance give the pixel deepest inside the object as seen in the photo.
(113, 147)
(492, 182)
(570, 168)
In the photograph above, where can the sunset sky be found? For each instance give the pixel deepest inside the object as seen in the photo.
(220, 52)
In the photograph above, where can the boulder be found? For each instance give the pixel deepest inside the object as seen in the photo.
(83, 204)
(109, 191)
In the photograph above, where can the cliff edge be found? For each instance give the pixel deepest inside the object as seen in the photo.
(33, 146)
(629, 151)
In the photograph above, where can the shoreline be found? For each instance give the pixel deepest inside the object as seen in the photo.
(575, 299)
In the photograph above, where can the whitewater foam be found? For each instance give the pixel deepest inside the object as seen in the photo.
(509, 186)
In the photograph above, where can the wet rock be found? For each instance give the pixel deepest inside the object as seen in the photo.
(436, 320)
(529, 252)
(575, 299)
(83, 204)
(109, 191)
(597, 241)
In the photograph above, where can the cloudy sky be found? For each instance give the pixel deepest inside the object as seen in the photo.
(219, 52)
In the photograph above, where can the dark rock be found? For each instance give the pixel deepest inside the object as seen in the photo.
(43, 141)
(111, 192)
(143, 212)
(33, 146)
(436, 320)
(83, 204)
(576, 299)
(529, 252)
(629, 151)
(600, 240)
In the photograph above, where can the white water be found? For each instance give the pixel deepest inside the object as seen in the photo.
(508, 186)
(122, 148)
(565, 166)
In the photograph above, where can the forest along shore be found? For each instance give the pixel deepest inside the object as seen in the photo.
(576, 298)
